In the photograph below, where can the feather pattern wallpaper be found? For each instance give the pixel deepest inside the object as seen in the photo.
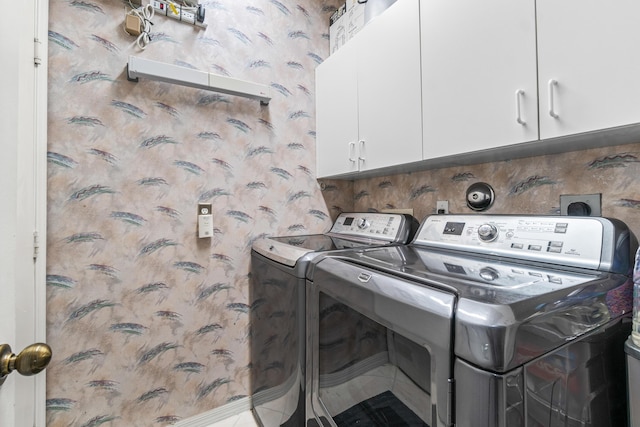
(149, 325)
(527, 186)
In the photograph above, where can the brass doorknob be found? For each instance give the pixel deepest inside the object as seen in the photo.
(30, 361)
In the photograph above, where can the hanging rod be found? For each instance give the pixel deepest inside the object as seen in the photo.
(174, 74)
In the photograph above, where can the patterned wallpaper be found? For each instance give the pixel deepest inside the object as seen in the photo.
(148, 324)
(530, 186)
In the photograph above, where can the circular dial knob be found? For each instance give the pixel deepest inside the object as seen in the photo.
(489, 274)
(363, 223)
(488, 232)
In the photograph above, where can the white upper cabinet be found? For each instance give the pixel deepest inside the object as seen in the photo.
(446, 81)
(337, 113)
(389, 97)
(479, 75)
(368, 98)
(588, 65)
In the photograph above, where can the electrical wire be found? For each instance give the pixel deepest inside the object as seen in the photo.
(188, 4)
(145, 14)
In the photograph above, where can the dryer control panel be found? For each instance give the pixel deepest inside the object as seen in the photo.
(378, 226)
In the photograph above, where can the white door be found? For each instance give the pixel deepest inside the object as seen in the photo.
(590, 48)
(22, 204)
(479, 75)
(337, 113)
(368, 99)
(389, 97)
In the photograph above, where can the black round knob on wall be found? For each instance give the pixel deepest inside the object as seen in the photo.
(480, 196)
(579, 209)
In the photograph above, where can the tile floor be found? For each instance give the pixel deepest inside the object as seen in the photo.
(341, 397)
(386, 377)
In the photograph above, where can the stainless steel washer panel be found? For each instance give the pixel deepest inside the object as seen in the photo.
(395, 303)
(277, 300)
(587, 242)
(494, 324)
(350, 230)
(420, 314)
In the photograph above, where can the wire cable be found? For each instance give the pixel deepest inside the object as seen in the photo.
(145, 14)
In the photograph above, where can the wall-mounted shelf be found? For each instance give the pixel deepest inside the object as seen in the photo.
(174, 74)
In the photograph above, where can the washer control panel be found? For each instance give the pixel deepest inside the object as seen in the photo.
(388, 227)
(507, 275)
(571, 241)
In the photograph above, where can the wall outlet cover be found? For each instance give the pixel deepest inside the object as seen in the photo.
(442, 207)
(581, 204)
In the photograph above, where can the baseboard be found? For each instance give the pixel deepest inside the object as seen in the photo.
(223, 412)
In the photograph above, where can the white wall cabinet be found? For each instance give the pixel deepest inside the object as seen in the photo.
(368, 98)
(479, 79)
(590, 48)
(497, 79)
(337, 113)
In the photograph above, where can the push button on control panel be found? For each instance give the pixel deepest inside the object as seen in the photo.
(561, 228)
(554, 247)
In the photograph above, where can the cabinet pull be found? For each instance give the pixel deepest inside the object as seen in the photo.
(519, 93)
(361, 150)
(352, 148)
(552, 112)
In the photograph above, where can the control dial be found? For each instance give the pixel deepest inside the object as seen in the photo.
(488, 232)
(363, 223)
(489, 274)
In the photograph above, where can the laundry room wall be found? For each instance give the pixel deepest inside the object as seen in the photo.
(148, 324)
(528, 186)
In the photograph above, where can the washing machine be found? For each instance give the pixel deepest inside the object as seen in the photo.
(481, 321)
(278, 316)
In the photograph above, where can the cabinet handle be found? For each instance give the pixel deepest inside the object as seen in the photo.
(360, 150)
(519, 93)
(352, 148)
(552, 112)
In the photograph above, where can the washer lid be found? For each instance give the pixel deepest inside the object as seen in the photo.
(507, 312)
(350, 230)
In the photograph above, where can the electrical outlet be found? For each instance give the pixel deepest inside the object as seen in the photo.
(205, 220)
(176, 11)
(204, 208)
(581, 204)
(442, 207)
(187, 17)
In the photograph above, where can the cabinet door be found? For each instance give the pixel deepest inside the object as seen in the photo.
(591, 48)
(337, 113)
(389, 96)
(479, 75)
